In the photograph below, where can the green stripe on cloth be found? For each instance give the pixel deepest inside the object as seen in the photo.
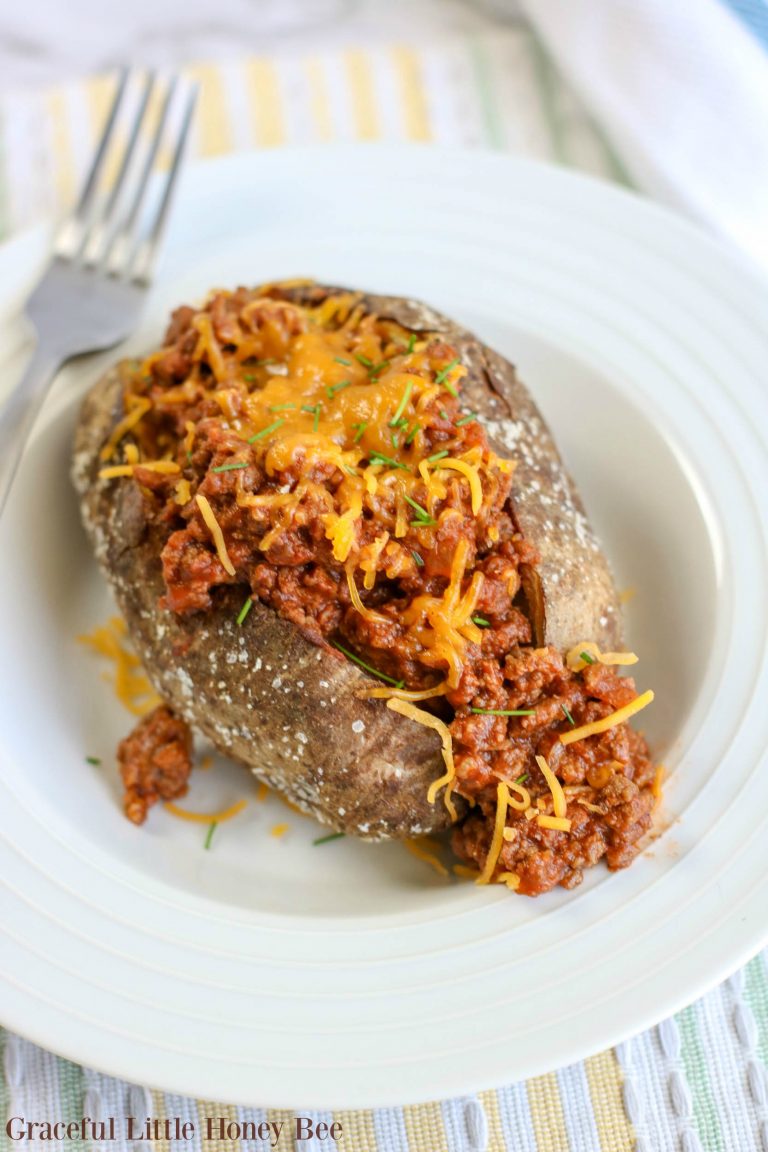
(696, 1070)
(491, 116)
(756, 995)
(548, 85)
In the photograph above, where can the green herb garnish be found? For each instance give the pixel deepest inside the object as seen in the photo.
(411, 342)
(327, 839)
(93, 760)
(367, 667)
(248, 376)
(314, 409)
(444, 415)
(422, 513)
(341, 360)
(587, 658)
(332, 389)
(245, 610)
(360, 429)
(281, 407)
(522, 779)
(481, 621)
(409, 438)
(442, 377)
(504, 711)
(418, 559)
(394, 440)
(402, 405)
(231, 467)
(466, 419)
(364, 361)
(209, 837)
(568, 716)
(266, 431)
(438, 456)
(380, 458)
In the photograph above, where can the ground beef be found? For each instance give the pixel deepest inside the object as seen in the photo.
(155, 762)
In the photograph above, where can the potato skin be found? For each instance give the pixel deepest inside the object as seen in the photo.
(287, 709)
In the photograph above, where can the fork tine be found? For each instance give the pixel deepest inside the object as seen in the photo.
(146, 250)
(96, 229)
(125, 232)
(92, 178)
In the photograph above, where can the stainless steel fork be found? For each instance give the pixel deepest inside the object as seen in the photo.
(104, 253)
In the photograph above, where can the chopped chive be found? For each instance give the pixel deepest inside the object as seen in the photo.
(409, 438)
(568, 716)
(266, 431)
(428, 523)
(367, 667)
(481, 621)
(420, 512)
(466, 419)
(402, 405)
(189, 453)
(504, 711)
(211, 831)
(93, 760)
(327, 839)
(363, 360)
(444, 415)
(248, 376)
(352, 471)
(341, 360)
(401, 423)
(522, 779)
(314, 409)
(359, 434)
(245, 610)
(442, 377)
(438, 456)
(587, 658)
(380, 458)
(411, 342)
(418, 559)
(376, 369)
(394, 440)
(280, 407)
(230, 467)
(332, 389)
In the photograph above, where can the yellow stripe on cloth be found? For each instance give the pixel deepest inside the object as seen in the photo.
(496, 1141)
(358, 1131)
(266, 103)
(547, 1115)
(159, 1112)
(412, 94)
(605, 1089)
(424, 1127)
(212, 123)
(364, 112)
(319, 99)
(61, 143)
(225, 1112)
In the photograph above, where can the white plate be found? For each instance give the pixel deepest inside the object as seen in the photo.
(272, 972)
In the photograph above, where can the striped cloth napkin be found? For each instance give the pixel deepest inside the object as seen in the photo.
(698, 1081)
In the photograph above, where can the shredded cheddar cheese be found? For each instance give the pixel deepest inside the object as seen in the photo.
(430, 721)
(205, 817)
(218, 536)
(279, 830)
(472, 476)
(618, 717)
(421, 850)
(140, 407)
(132, 687)
(115, 470)
(557, 823)
(502, 800)
(575, 661)
(558, 796)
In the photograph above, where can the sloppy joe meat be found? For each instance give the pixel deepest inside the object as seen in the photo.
(317, 435)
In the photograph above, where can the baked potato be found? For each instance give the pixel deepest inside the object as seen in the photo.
(396, 522)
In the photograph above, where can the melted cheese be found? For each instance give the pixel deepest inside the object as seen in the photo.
(472, 475)
(598, 726)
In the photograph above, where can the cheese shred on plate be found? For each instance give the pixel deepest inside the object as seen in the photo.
(205, 817)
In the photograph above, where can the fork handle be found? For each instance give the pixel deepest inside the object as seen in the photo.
(17, 415)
